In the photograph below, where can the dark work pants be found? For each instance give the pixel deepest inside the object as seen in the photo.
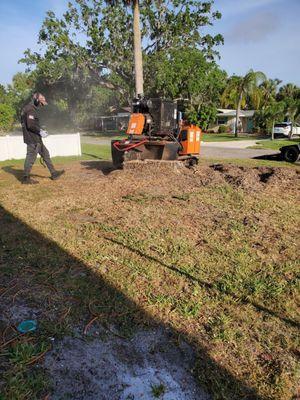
(32, 151)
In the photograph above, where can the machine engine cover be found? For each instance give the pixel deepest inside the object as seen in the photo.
(164, 115)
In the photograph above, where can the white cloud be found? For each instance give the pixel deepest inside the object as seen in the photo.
(278, 54)
(255, 28)
(232, 8)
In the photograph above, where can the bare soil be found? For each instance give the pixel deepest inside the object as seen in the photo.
(113, 368)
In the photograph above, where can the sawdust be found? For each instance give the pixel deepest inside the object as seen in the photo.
(246, 178)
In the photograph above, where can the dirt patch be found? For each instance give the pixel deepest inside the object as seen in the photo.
(246, 178)
(253, 178)
(116, 369)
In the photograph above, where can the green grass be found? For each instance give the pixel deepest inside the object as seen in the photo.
(106, 135)
(89, 152)
(158, 390)
(92, 151)
(274, 144)
(224, 137)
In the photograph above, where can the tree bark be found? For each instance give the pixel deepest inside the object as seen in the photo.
(237, 116)
(272, 134)
(291, 131)
(138, 57)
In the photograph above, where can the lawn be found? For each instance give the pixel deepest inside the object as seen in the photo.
(103, 152)
(106, 135)
(89, 152)
(209, 254)
(274, 144)
(224, 137)
(206, 137)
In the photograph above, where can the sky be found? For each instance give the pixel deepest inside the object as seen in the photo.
(260, 34)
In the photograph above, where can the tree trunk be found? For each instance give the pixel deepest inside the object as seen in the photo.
(292, 127)
(272, 134)
(237, 116)
(138, 58)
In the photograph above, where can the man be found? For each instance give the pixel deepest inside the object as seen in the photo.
(32, 134)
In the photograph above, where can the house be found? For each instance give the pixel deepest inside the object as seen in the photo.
(227, 117)
(112, 123)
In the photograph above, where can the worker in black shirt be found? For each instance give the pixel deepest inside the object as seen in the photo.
(32, 134)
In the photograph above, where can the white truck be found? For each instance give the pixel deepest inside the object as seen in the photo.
(286, 129)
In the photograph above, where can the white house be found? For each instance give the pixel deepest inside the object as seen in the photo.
(227, 117)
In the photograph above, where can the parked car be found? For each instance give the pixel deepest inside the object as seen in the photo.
(283, 129)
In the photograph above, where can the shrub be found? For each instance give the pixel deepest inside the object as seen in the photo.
(201, 115)
(7, 116)
(222, 129)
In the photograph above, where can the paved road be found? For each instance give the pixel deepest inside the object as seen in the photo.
(209, 149)
(221, 152)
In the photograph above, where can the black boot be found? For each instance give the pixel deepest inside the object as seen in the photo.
(28, 181)
(55, 175)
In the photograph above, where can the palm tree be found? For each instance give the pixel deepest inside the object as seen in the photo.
(288, 91)
(138, 56)
(274, 111)
(269, 90)
(238, 89)
(290, 95)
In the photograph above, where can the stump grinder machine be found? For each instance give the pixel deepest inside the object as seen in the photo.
(156, 131)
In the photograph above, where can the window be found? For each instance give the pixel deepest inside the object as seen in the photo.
(283, 125)
(222, 121)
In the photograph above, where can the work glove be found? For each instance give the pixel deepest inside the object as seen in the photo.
(43, 133)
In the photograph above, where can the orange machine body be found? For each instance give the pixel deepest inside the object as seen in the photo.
(136, 124)
(190, 139)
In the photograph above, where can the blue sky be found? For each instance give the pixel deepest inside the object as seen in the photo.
(259, 34)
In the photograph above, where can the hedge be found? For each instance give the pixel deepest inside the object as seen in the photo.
(7, 116)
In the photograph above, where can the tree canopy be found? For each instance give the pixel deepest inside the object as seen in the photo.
(93, 40)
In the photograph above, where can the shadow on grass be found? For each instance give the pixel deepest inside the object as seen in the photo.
(214, 287)
(36, 273)
(270, 157)
(19, 173)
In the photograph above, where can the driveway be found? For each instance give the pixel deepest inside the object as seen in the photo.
(233, 149)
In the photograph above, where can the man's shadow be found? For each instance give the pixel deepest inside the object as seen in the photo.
(19, 173)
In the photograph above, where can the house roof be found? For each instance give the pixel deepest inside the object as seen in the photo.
(223, 112)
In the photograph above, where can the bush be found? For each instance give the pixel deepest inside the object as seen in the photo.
(201, 116)
(222, 129)
(7, 116)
